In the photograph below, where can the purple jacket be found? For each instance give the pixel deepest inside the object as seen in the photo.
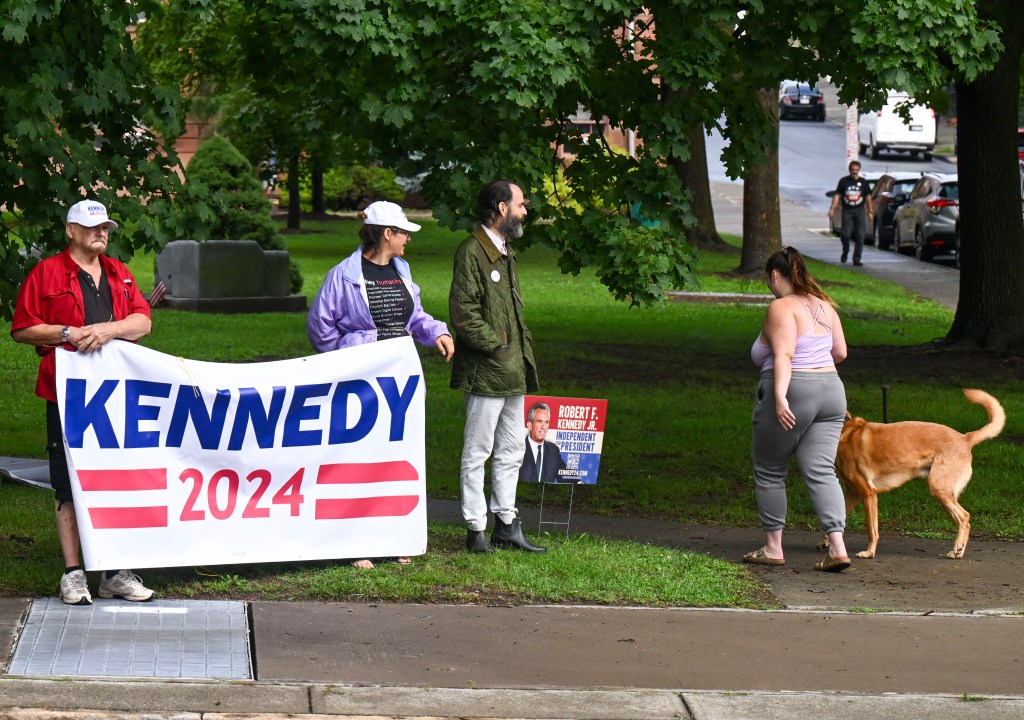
(340, 314)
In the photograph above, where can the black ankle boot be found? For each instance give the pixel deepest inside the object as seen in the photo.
(476, 542)
(511, 536)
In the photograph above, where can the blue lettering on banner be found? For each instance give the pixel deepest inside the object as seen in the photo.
(208, 424)
(398, 402)
(250, 411)
(134, 412)
(80, 415)
(345, 424)
(340, 431)
(298, 411)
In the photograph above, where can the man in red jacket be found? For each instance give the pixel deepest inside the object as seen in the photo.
(78, 300)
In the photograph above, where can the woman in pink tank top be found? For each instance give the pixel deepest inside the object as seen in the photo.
(801, 407)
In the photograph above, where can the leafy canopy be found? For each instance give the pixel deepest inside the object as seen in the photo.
(235, 195)
(466, 92)
(80, 118)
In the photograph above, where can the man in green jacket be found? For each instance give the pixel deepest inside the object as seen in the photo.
(493, 365)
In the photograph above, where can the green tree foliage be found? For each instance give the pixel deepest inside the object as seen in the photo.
(268, 87)
(350, 188)
(235, 195)
(483, 91)
(464, 91)
(81, 117)
(468, 92)
(240, 210)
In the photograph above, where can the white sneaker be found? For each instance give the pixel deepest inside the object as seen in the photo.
(125, 584)
(73, 588)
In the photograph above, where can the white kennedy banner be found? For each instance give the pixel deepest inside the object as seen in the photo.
(181, 462)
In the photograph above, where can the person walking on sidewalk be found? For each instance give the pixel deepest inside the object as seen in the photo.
(801, 407)
(854, 194)
(78, 301)
(493, 366)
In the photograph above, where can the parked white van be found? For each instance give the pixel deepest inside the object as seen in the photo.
(886, 129)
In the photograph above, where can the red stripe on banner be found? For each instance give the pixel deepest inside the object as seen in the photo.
(142, 479)
(387, 506)
(125, 518)
(354, 473)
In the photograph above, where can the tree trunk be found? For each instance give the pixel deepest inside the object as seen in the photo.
(294, 201)
(317, 172)
(694, 175)
(990, 311)
(762, 220)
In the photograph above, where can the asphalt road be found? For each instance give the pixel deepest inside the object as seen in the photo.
(812, 158)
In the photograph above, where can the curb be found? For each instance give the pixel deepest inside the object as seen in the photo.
(162, 699)
(147, 696)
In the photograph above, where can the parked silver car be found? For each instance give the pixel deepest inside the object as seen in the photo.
(928, 221)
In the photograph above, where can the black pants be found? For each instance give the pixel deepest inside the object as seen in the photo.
(60, 478)
(854, 227)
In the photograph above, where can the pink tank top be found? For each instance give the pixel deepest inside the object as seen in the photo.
(812, 351)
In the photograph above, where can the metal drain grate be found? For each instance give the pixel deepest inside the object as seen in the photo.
(117, 638)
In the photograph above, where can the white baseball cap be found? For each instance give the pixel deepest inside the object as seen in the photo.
(89, 213)
(388, 214)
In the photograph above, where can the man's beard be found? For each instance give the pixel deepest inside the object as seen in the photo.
(511, 228)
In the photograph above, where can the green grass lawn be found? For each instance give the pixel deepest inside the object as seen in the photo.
(679, 383)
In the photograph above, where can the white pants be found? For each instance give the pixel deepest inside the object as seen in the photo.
(494, 429)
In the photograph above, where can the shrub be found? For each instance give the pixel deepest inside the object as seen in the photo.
(240, 210)
(349, 188)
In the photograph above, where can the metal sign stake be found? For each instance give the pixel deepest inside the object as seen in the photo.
(541, 522)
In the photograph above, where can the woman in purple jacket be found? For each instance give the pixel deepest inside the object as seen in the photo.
(370, 295)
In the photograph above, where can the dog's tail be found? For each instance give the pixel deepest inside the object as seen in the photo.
(996, 417)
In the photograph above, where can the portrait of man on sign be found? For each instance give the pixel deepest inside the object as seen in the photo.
(542, 461)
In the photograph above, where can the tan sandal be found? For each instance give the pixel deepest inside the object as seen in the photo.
(832, 564)
(760, 557)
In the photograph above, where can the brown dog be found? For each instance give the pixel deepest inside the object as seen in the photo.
(874, 458)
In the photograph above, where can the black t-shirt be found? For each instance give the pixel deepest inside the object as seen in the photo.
(99, 306)
(390, 301)
(852, 193)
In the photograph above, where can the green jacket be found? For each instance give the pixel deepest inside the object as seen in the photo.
(493, 348)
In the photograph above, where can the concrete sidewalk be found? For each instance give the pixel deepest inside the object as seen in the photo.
(607, 663)
(581, 662)
(808, 231)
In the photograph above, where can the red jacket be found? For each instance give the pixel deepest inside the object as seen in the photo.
(51, 295)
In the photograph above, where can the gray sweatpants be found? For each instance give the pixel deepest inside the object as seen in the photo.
(818, 400)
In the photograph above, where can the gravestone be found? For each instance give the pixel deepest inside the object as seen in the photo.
(226, 276)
